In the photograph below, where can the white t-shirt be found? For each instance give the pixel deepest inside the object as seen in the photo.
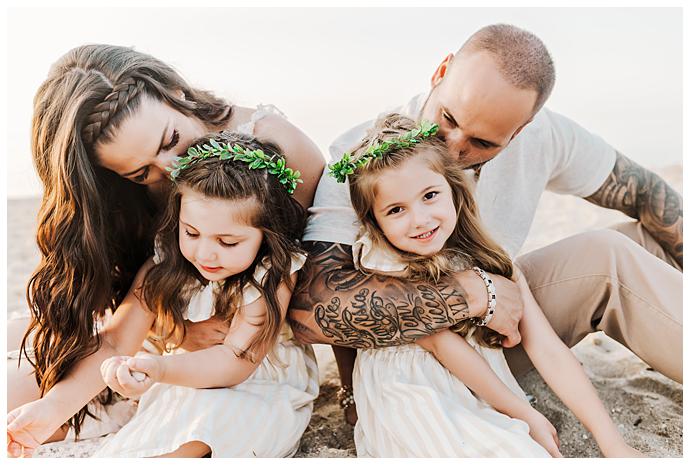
(550, 153)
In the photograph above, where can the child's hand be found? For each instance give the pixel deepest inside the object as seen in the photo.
(543, 432)
(621, 449)
(123, 379)
(30, 425)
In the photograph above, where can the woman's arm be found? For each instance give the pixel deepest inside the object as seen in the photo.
(33, 423)
(217, 366)
(301, 153)
(564, 374)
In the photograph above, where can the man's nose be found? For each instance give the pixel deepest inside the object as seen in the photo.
(458, 145)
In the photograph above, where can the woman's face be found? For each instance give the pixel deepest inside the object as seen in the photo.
(149, 141)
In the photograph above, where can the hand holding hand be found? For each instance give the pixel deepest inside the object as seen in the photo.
(122, 375)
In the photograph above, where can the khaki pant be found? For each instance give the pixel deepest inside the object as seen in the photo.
(604, 281)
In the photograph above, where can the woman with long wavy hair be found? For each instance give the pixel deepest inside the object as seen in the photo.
(108, 121)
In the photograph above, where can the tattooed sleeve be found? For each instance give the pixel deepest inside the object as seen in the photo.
(643, 195)
(336, 304)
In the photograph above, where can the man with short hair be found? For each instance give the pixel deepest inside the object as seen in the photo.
(488, 102)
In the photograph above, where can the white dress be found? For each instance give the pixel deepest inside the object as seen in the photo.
(409, 405)
(264, 416)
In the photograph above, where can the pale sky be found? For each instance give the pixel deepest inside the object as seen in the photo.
(618, 70)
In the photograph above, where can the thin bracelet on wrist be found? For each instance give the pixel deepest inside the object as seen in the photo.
(491, 291)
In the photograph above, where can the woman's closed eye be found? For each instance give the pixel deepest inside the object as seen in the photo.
(142, 177)
(173, 141)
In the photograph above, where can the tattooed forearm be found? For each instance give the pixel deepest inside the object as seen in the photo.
(339, 305)
(643, 195)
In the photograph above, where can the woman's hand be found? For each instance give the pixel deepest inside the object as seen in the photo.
(543, 432)
(204, 334)
(30, 425)
(123, 375)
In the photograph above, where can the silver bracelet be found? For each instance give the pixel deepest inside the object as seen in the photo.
(491, 290)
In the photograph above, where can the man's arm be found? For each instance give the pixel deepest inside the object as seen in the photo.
(643, 195)
(336, 304)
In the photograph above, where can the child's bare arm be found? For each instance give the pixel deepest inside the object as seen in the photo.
(460, 358)
(220, 365)
(564, 374)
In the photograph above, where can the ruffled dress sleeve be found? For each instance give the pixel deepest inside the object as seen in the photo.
(261, 111)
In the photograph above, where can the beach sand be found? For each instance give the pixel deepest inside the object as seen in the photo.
(646, 406)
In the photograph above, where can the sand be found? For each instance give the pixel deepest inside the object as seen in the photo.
(646, 406)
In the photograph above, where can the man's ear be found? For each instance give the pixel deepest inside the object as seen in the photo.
(520, 128)
(441, 70)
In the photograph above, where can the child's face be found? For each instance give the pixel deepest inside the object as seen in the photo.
(414, 207)
(215, 234)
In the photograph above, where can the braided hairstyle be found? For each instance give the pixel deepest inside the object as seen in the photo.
(95, 229)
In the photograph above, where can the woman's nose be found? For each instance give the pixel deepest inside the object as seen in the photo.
(164, 161)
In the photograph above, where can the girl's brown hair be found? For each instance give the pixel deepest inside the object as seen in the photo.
(94, 228)
(168, 286)
(469, 245)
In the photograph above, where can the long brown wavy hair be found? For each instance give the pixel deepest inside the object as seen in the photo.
(169, 285)
(469, 245)
(95, 229)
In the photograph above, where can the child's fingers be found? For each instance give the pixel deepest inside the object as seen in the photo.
(141, 364)
(14, 449)
(110, 377)
(124, 377)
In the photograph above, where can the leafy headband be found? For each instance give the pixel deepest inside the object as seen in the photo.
(346, 166)
(256, 159)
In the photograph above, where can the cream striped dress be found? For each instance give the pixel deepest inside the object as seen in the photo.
(264, 416)
(409, 405)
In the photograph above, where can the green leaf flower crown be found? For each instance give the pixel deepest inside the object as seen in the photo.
(346, 166)
(256, 159)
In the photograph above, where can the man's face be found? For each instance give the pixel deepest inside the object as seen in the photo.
(477, 110)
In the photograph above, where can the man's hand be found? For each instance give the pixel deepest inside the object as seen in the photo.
(204, 334)
(509, 304)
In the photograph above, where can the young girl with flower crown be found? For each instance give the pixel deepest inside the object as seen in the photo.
(227, 246)
(452, 393)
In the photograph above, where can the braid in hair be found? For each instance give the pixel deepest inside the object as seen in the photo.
(102, 113)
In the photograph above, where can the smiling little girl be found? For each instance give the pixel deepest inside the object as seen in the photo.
(448, 395)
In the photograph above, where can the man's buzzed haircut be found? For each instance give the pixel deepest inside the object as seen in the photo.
(521, 56)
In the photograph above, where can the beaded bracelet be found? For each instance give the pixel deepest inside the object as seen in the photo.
(345, 396)
(491, 290)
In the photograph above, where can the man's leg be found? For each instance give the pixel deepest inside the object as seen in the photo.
(635, 231)
(602, 280)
